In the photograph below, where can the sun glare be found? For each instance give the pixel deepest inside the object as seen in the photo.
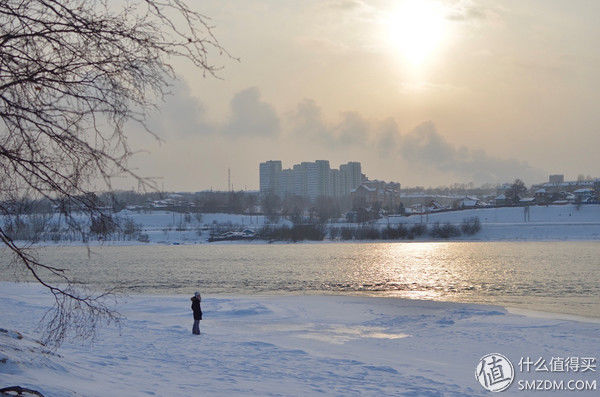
(415, 30)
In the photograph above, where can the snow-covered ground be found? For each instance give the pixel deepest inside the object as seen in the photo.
(557, 222)
(165, 227)
(551, 214)
(286, 345)
(542, 223)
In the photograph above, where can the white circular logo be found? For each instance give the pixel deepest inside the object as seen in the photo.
(495, 372)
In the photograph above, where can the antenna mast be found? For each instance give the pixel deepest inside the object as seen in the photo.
(228, 179)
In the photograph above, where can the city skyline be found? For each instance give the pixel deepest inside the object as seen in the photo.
(492, 92)
(228, 174)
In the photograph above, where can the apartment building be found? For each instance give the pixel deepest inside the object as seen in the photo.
(309, 179)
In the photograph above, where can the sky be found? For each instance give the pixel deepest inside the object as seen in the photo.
(421, 92)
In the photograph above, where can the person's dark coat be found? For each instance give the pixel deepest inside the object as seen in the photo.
(196, 308)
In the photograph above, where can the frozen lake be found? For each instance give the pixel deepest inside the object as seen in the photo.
(560, 277)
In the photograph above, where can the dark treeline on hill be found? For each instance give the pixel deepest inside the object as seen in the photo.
(200, 202)
(301, 210)
(43, 227)
(297, 209)
(28, 219)
(461, 189)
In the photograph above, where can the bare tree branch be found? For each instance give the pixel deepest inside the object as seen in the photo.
(73, 73)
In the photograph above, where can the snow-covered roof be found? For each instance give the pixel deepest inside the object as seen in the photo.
(542, 190)
(435, 204)
(501, 197)
(584, 190)
(527, 199)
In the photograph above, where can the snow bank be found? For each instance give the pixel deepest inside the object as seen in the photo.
(283, 345)
(551, 214)
(543, 223)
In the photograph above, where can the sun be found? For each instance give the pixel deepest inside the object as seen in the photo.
(415, 30)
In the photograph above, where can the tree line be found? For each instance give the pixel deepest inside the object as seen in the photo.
(318, 232)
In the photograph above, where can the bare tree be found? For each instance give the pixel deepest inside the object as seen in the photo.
(73, 75)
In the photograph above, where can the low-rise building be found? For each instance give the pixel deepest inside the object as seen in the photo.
(471, 202)
(384, 193)
(501, 200)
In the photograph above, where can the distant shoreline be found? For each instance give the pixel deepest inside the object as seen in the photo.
(470, 239)
(544, 223)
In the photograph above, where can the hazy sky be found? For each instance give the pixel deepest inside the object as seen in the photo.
(421, 92)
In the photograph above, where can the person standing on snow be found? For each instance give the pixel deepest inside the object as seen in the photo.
(196, 299)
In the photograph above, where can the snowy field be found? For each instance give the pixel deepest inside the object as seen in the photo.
(286, 345)
(551, 214)
(543, 223)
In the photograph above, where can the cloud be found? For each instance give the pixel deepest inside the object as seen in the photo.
(424, 146)
(307, 123)
(387, 137)
(250, 116)
(422, 150)
(468, 10)
(180, 114)
(352, 130)
(466, 14)
(346, 4)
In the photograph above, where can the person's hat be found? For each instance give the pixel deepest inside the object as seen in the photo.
(197, 293)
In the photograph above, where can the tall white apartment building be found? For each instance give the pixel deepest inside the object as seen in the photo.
(300, 178)
(270, 177)
(287, 183)
(335, 183)
(309, 179)
(350, 177)
(323, 173)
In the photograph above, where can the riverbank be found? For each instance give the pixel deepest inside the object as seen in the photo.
(285, 345)
(537, 223)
